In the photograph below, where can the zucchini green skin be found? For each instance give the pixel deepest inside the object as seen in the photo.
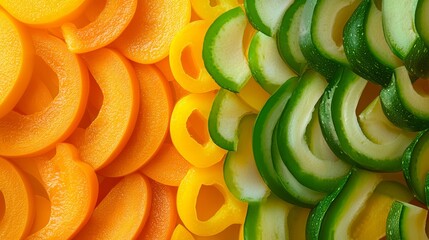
(288, 40)
(315, 58)
(240, 169)
(359, 54)
(276, 8)
(406, 221)
(412, 166)
(417, 59)
(267, 219)
(263, 134)
(395, 107)
(211, 57)
(266, 64)
(308, 169)
(228, 108)
(352, 197)
(421, 21)
(326, 121)
(315, 218)
(365, 153)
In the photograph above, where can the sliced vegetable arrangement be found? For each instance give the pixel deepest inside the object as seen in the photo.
(227, 119)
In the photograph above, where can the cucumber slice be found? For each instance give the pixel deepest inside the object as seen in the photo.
(311, 171)
(240, 172)
(329, 18)
(263, 136)
(266, 16)
(223, 53)
(422, 21)
(298, 194)
(398, 25)
(415, 165)
(316, 60)
(350, 201)
(402, 105)
(406, 221)
(267, 219)
(288, 40)
(364, 42)
(225, 115)
(385, 156)
(266, 64)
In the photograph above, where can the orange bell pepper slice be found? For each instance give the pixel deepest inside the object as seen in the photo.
(107, 135)
(167, 167)
(35, 98)
(44, 13)
(163, 215)
(153, 120)
(189, 132)
(18, 209)
(216, 213)
(29, 135)
(16, 63)
(43, 213)
(210, 10)
(148, 37)
(111, 22)
(186, 60)
(122, 213)
(72, 188)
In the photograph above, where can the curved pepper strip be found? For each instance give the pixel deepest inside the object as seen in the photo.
(200, 154)
(44, 13)
(231, 212)
(148, 37)
(210, 10)
(30, 135)
(252, 89)
(72, 188)
(35, 98)
(186, 60)
(111, 22)
(152, 124)
(107, 135)
(16, 63)
(122, 213)
(17, 194)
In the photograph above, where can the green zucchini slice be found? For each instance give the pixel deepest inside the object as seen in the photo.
(223, 53)
(266, 16)
(385, 156)
(288, 40)
(310, 170)
(406, 222)
(422, 21)
(225, 115)
(266, 64)
(240, 172)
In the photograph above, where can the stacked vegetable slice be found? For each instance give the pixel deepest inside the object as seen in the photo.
(339, 134)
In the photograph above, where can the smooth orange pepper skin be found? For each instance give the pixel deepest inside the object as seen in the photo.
(37, 133)
(231, 212)
(203, 152)
(18, 214)
(186, 60)
(72, 188)
(123, 211)
(152, 124)
(148, 37)
(108, 134)
(44, 13)
(110, 23)
(16, 63)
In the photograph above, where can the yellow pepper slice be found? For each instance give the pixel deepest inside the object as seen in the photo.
(186, 60)
(189, 132)
(210, 10)
(18, 199)
(16, 62)
(43, 13)
(232, 211)
(72, 188)
(111, 22)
